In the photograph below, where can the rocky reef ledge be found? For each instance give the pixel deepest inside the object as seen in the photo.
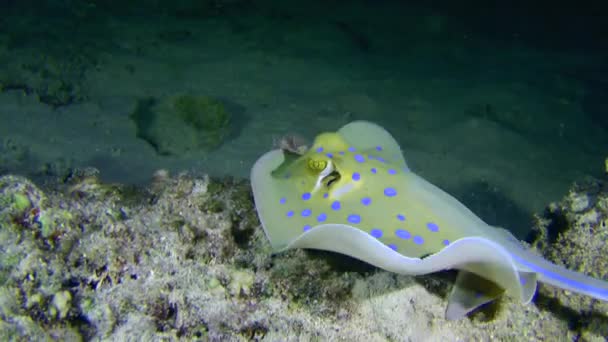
(185, 258)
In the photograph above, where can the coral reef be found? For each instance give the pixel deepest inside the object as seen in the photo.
(573, 233)
(185, 258)
(181, 124)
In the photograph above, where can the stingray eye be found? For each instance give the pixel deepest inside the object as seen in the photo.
(317, 165)
(331, 178)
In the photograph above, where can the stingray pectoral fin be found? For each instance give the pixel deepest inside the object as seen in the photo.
(486, 269)
(491, 261)
(475, 255)
(528, 282)
(472, 291)
(369, 136)
(291, 161)
(468, 293)
(351, 241)
(265, 188)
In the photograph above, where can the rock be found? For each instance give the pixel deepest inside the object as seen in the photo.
(573, 233)
(185, 258)
(182, 124)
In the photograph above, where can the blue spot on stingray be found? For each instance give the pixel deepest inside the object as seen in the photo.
(522, 281)
(392, 246)
(290, 213)
(325, 195)
(400, 217)
(390, 192)
(283, 200)
(392, 171)
(322, 217)
(378, 148)
(354, 218)
(335, 205)
(306, 228)
(320, 149)
(446, 242)
(366, 201)
(356, 176)
(374, 170)
(352, 149)
(306, 196)
(306, 212)
(375, 232)
(329, 155)
(432, 227)
(403, 234)
(341, 153)
(380, 159)
(359, 158)
(418, 240)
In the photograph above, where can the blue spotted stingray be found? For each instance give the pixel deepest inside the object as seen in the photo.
(352, 193)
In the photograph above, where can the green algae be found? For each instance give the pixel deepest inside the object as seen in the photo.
(182, 124)
(20, 202)
(61, 304)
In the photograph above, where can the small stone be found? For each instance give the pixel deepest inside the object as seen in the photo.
(61, 303)
(579, 202)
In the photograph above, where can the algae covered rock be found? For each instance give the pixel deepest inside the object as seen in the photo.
(573, 233)
(186, 259)
(181, 124)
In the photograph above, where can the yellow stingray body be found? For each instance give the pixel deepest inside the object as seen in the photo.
(353, 193)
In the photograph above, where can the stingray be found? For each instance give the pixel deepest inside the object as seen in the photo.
(352, 192)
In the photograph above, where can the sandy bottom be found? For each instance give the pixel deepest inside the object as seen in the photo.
(503, 127)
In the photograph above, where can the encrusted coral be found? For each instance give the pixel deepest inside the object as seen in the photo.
(186, 258)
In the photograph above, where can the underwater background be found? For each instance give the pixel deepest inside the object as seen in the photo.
(502, 104)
